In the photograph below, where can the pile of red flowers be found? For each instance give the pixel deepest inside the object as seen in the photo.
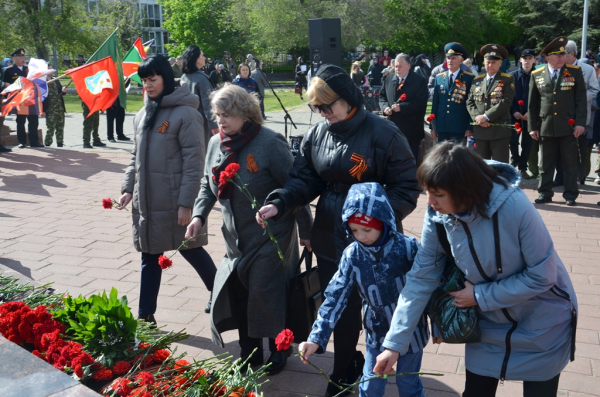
(20, 324)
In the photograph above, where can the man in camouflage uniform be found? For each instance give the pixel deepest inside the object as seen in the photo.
(54, 107)
(90, 126)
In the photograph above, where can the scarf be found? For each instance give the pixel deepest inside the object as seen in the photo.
(230, 146)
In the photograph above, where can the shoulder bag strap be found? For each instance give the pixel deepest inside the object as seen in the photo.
(497, 243)
(306, 255)
(443, 238)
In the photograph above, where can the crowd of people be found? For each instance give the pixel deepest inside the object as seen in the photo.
(364, 169)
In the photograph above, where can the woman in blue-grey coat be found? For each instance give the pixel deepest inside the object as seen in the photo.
(525, 300)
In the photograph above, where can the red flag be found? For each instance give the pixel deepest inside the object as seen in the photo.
(21, 95)
(132, 60)
(97, 83)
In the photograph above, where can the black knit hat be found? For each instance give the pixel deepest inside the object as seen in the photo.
(341, 83)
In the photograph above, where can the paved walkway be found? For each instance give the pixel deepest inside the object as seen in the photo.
(52, 228)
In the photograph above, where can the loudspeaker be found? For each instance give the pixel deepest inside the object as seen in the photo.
(325, 40)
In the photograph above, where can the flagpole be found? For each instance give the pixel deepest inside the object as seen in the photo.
(57, 78)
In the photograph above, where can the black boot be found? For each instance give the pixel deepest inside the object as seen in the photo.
(278, 360)
(209, 304)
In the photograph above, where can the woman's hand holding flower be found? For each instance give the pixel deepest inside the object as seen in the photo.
(124, 200)
(266, 212)
(193, 228)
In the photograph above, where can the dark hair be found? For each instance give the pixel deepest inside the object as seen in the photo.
(190, 56)
(156, 65)
(462, 173)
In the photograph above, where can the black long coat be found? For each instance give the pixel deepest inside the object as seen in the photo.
(410, 119)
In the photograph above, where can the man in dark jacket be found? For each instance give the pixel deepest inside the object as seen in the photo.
(374, 73)
(404, 100)
(518, 113)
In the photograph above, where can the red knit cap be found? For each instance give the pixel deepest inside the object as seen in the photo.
(365, 220)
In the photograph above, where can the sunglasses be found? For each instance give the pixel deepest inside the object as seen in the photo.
(322, 108)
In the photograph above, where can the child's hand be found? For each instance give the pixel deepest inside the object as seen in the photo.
(306, 349)
(437, 341)
(384, 364)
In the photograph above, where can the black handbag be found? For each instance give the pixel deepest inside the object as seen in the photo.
(456, 324)
(304, 299)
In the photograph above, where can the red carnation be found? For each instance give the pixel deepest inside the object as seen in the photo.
(250, 394)
(181, 365)
(107, 203)
(571, 122)
(430, 118)
(229, 172)
(403, 97)
(122, 387)
(164, 262)
(121, 368)
(161, 355)
(285, 339)
(78, 371)
(521, 102)
(103, 374)
(145, 378)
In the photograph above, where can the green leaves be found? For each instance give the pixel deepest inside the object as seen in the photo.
(103, 325)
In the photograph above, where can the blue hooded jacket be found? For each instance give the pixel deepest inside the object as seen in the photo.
(379, 272)
(526, 312)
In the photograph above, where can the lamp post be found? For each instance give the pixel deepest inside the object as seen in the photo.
(586, 7)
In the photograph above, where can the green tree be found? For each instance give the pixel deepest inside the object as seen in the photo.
(201, 23)
(544, 20)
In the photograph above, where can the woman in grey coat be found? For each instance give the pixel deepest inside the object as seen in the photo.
(250, 286)
(163, 179)
(200, 85)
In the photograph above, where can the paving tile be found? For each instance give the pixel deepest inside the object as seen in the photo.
(73, 242)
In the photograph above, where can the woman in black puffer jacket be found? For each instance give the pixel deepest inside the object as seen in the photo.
(351, 146)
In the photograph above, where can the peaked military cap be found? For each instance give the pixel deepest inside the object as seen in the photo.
(18, 52)
(556, 46)
(493, 51)
(456, 49)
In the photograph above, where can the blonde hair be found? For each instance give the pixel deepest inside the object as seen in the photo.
(468, 62)
(320, 93)
(355, 68)
(236, 101)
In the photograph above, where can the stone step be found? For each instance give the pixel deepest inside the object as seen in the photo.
(8, 138)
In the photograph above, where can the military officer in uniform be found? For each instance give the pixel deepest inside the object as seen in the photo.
(54, 107)
(11, 74)
(452, 120)
(557, 116)
(489, 105)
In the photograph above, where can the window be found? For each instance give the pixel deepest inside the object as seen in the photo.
(151, 15)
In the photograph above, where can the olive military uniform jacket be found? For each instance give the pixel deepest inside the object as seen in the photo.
(551, 106)
(450, 103)
(494, 101)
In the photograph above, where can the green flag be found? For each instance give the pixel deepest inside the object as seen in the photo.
(111, 48)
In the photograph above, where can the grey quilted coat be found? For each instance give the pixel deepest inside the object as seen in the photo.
(164, 172)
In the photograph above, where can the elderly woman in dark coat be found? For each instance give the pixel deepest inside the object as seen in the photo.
(250, 286)
(350, 146)
(163, 178)
(199, 84)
